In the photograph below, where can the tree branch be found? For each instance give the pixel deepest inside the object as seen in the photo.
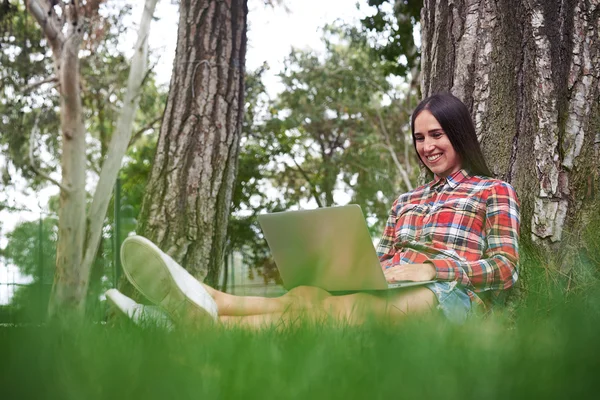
(35, 130)
(148, 72)
(73, 16)
(49, 22)
(137, 135)
(390, 148)
(308, 180)
(32, 86)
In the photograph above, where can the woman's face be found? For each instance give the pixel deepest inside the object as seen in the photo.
(434, 147)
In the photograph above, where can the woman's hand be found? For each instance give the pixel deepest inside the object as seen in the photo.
(410, 272)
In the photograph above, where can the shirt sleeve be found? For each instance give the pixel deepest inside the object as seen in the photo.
(498, 269)
(385, 248)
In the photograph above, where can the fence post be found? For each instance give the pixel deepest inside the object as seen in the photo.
(40, 271)
(117, 232)
(232, 266)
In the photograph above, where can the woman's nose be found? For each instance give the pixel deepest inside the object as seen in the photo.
(428, 144)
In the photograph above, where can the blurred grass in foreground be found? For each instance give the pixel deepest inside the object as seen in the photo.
(548, 349)
(546, 344)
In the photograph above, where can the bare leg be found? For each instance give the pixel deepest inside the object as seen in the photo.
(353, 309)
(298, 298)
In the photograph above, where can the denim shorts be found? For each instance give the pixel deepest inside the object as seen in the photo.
(453, 300)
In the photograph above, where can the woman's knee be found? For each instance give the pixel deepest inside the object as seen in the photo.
(307, 295)
(356, 307)
(412, 301)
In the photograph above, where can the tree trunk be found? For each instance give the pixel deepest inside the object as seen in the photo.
(70, 284)
(529, 72)
(77, 240)
(187, 201)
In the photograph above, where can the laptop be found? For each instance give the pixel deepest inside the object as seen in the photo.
(328, 248)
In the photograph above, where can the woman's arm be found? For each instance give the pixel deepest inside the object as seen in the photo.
(498, 267)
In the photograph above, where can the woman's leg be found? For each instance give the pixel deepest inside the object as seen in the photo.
(301, 297)
(353, 309)
(168, 285)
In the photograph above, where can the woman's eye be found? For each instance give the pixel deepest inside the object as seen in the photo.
(437, 134)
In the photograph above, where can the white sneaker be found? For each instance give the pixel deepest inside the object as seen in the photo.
(140, 314)
(164, 282)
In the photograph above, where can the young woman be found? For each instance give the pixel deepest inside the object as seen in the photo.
(460, 229)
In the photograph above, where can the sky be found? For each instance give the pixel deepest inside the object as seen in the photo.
(272, 32)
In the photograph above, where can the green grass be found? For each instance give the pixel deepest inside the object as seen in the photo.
(549, 348)
(545, 345)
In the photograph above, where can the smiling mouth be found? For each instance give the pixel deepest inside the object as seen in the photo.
(433, 158)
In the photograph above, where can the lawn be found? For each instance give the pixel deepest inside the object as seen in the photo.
(548, 348)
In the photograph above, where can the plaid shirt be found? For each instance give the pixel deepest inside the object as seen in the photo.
(466, 226)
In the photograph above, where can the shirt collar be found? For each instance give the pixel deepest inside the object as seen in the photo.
(452, 180)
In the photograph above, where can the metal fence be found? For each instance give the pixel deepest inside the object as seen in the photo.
(28, 254)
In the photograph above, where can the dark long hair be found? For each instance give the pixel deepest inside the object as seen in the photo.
(455, 120)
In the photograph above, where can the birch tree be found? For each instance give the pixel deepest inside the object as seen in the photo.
(188, 195)
(529, 70)
(64, 25)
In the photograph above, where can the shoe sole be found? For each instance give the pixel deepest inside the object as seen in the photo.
(149, 274)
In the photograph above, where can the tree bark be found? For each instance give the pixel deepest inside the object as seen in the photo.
(187, 201)
(529, 71)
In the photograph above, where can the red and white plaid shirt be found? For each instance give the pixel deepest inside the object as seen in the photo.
(466, 226)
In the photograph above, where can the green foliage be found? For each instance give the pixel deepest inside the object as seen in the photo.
(389, 34)
(136, 172)
(23, 247)
(327, 121)
(25, 60)
(31, 246)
